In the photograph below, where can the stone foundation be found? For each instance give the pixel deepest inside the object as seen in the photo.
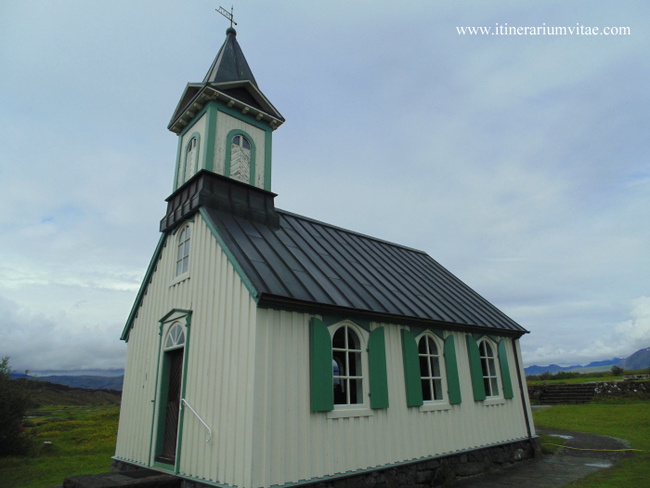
(425, 474)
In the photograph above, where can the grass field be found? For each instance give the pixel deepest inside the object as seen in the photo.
(570, 378)
(82, 441)
(630, 420)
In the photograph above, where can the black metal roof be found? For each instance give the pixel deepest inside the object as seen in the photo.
(316, 265)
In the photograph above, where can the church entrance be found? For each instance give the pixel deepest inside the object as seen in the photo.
(170, 396)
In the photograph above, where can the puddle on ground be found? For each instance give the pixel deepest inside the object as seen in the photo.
(562, 436)
(604, 464)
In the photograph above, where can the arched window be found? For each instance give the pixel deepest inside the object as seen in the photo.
(240, 159)
(175, 337)
(488, 365)
(347, 368)
(183, 253)
(190, 158)
(430, 369)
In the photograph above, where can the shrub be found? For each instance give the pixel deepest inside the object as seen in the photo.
(617, 370)
(14, 401)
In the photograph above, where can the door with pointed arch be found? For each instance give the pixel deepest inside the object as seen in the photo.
(169, 405)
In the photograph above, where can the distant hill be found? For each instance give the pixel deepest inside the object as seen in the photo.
(90, 382)
(77, 372)
(638, 360)
(43, 393)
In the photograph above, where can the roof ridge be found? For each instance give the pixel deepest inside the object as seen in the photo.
(352, 232)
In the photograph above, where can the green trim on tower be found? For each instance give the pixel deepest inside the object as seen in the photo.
(210, 135)
(268, 143)
(451, 366)
(244, 117)
(320, 361)
(198, 152)
(377, 369)
(193, 122)
(505, 370)
(475, 368)
(412, 378)
(228, 146)
(177, 166)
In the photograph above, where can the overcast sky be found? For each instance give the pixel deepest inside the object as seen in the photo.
(520, 163)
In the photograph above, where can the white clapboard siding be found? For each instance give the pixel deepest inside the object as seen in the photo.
(293, 444)
(220, 361)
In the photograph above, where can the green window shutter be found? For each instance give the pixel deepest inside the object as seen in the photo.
(411, 370)
(453, 382)
(505, 370)
(475, 369)
(322, 383)
(377, 366)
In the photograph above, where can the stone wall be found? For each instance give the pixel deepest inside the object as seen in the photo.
(603, 389)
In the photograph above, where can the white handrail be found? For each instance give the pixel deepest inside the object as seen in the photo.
(199, 417)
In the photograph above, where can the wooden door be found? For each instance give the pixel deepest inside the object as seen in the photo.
(172, 409)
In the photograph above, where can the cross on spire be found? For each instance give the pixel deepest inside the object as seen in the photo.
(226, 14)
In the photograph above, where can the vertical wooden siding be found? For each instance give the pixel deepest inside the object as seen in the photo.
(220, 364)
(292, 443)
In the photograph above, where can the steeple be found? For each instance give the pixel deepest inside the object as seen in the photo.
(225, 123)
(230, 63)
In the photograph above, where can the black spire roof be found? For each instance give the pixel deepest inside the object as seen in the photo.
(228, 79)
(230, 63)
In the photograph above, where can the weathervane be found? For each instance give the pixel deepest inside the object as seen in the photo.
(227, 14)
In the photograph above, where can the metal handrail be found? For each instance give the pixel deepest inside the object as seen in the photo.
(199, 417)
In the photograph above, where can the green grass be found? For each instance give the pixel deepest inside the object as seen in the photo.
(563, 377)
(575, 381)
(629, 421)
(82, 442)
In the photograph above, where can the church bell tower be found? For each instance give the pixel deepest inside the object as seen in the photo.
(225, 123)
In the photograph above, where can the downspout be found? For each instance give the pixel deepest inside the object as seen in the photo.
(521, 388)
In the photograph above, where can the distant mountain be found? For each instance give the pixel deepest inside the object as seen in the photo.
(638, 360)
(88, 382)
(551, 368)
(78, 372)
(607, 362)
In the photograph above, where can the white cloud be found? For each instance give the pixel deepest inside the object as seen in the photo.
(516, 162)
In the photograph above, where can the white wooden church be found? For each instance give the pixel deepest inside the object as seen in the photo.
(270, 349)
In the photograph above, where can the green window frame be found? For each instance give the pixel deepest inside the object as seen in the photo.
(482, 371)
(372, 351)
(412, 371)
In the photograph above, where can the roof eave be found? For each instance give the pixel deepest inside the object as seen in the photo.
(207, 93)
(267, 300)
